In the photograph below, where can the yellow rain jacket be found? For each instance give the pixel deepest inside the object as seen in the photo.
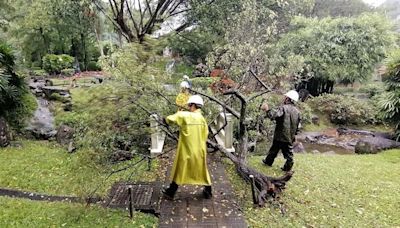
(181, 100)
(190, 164)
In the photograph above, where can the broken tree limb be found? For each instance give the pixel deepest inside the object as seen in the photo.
(266, 186)
(259, 80)
(229, 109)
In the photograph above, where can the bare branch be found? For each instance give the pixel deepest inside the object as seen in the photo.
(148, 7)
(116, 25)
(229, 109)
(132, 19)
(259, 80)
(257, 95)
(237, 94)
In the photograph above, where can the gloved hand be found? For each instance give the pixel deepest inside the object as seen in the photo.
(164, 121)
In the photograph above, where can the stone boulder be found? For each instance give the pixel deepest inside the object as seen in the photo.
(298, 147)
(315, 120)
(65, 135)
(373, 145)
(5, 136)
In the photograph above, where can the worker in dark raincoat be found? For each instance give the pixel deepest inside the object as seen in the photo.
(287, 118)
(190, 164)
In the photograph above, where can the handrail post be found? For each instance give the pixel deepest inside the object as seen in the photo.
(157, 136)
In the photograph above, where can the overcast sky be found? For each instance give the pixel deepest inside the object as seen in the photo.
(374, 2)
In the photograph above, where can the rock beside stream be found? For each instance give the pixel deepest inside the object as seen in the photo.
(65, 135)
(373, 145)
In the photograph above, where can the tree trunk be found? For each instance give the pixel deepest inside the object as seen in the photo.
(98, 39)
(266, 187)
(84, 54)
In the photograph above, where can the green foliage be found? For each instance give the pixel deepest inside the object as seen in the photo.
(341, 49)
(194, 45)
(250, 38)
(27, 213)
(53, 64)
(57, 97)
(110, 116)
(20, 114)
(45, 26)
(372, 89)
(326, 187)
(389, 102)
(339, 8)
(39, 73)
(345, 110)
(93, 66)
(68, 72)
(203, 82)
(50, 169)
(15, 101)
(306, 113)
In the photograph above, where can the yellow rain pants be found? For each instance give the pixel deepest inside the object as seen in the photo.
(190, 164)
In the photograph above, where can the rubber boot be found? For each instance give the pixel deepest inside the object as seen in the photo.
(288, 166)
(207, 192)
(169, 192)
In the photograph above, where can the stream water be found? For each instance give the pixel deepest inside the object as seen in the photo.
(310, 147)
(42, 123)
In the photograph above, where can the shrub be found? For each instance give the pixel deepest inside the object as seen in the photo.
(93, 66)
(306, 112)
(108, 116)
(68, 72)
(203, 82)
(372, 89)
(389, 102)
(53, 64)
(57, 97)
(345, 110)
(39, 73)
(15, 101)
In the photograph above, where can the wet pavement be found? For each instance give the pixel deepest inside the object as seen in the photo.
(190, 209)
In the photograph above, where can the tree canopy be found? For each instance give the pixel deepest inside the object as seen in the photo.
(341, 49)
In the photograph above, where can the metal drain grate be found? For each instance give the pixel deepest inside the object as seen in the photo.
(145, 196)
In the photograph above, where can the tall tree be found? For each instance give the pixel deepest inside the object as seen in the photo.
(250, 39)
(389, 101)
(44, 26)
(339, 8)
(342, 49)
(136, 18)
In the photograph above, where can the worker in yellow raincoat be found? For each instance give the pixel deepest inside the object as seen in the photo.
(190, 164)
(183, 96)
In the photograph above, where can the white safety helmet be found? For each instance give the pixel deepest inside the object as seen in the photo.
(293, 95)
(185, 85)
(185, 77)
(196, 99)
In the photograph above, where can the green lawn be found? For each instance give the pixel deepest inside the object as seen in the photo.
(44, 167)
(27, 213)
(330, 191)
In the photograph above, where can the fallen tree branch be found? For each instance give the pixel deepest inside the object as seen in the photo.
(229, 109)
(267, 187)
(259, 80)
